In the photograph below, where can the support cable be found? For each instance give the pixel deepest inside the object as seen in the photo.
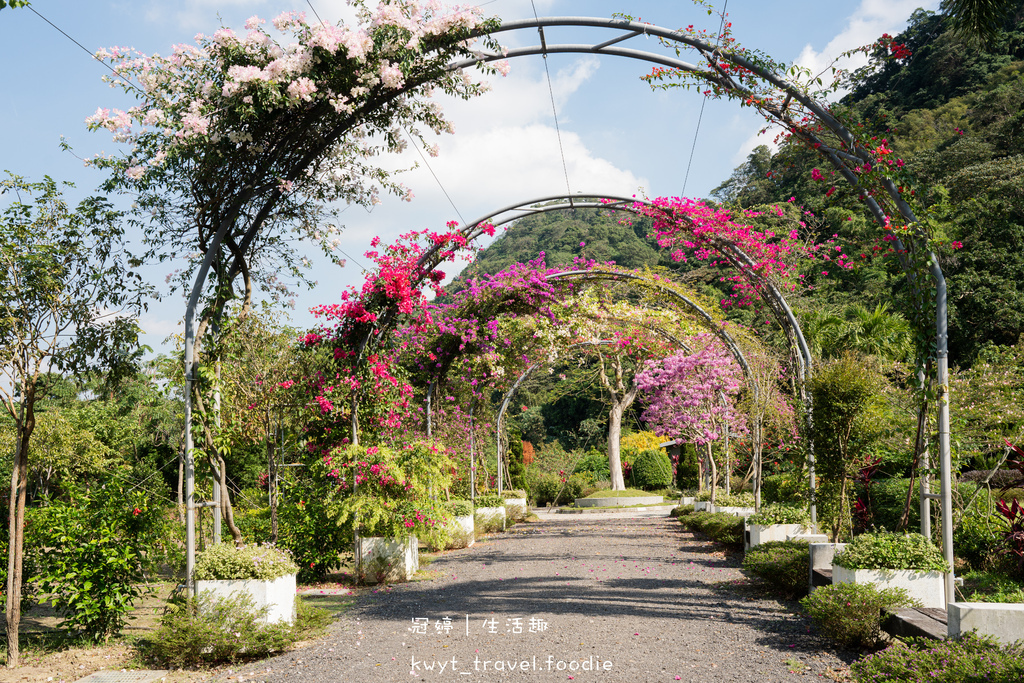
(700, 116)
(554, 111)
(91, 54)
(438, 180)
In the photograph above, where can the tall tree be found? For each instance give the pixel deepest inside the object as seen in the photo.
(69, 303)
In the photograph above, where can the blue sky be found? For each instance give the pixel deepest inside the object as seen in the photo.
(618, 135)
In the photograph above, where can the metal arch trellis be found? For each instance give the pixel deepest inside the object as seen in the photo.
(843, 160)
(846, 158)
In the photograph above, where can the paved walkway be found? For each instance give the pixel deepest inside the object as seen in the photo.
(597, 597)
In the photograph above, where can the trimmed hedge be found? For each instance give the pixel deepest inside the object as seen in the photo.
(652, 470)
(783, 564)
(718, 526)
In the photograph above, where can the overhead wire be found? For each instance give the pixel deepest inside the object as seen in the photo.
(84, 48)
(551, 93)
(703, 102)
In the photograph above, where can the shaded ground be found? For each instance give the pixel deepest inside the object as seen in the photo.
(573, 597)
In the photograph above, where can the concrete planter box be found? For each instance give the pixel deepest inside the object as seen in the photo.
(486, 516)
(516, 505)
(928, 587)
(756, 534)
(739, 512)
(687, 500)
(821, 561)
(702, 506)
(464, 530)
(387, 560)
(1004, 621)
(278, 596)
(619, 502)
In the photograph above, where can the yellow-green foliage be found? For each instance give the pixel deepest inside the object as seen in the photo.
(633, 444)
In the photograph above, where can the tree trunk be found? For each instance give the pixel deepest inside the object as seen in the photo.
(614, 434)
(225, 500)
(713, 470)
(16, 531)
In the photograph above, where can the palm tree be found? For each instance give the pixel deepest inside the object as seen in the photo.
(977, 20)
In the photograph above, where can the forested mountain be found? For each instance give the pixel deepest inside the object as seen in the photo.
(954, 112)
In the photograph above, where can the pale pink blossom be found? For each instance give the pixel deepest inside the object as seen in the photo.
(135, 172)
(302, 89)
(391, 75)
(254, 22)
(502, 67)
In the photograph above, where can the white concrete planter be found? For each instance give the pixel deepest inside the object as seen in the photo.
(928, 587)
(278, 596)
(464, 530)
(702, 506)
(687, 500)
(1004, 621)
(621, 501)
(517, 505)
(387, 560)
(491, 516)
(739, 512)
(756, 534)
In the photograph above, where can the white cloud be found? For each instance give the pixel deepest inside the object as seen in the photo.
(871, 19)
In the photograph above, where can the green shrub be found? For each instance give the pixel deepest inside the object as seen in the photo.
(737, 499)
(886, 550)
(460, 508)
(491, 500)
(682, 511)
(703, 496)
(488, 524)
(780, 513)
(594, 463)
(718, 526)
(226, 562)
(783, 488)
(94, 549)
(513, 493)
(205, 630)
(547, 486)
(851, 613)
(990, 586)
(687, 470)
(784, 564)
(969, 659)
(652, 470)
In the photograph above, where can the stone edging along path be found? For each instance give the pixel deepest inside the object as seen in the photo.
(582, 598)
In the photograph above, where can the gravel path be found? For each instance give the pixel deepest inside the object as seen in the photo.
(574, 597)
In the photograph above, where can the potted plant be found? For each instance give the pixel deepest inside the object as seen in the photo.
(462, 524)
(515, 503)
(890, 560)
(490, 512)
(739, 503)
(263, 572)
(703, 501)
(776, 522)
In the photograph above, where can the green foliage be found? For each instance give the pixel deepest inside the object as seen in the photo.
(595, 463)
(513, 493)
(224, 561)
(460, 508)
(782, 488)
(850, 613)
(305, 525)
(718, 526)
(969, 659)
(652, 470)
(738, 499)
(516, 469)
(547, 487)
(490, 500)
(847, 417)
(779, 513)
(886, 550)
(94, 549)
(206, 630)
(782, 563)
(687, 470)
(989, 586)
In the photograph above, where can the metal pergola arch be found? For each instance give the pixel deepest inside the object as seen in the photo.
(838, 158)
(844, 159)
(711, 325)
